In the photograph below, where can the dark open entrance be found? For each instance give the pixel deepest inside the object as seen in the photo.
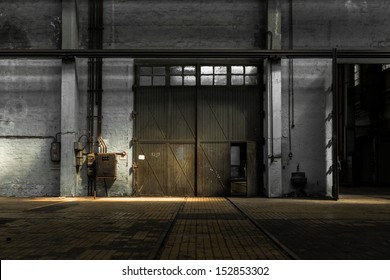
(238, 163)
(188, 116)
(364, 146)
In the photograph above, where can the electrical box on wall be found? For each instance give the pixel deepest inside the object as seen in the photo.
(106, 165)
(55, 151)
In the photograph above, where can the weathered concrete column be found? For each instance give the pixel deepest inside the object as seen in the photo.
(274, 154)
(69, 101)
(274, 105)
(69, 128)
(70, 30)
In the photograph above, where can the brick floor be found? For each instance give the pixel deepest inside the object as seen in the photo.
(212, 228)
(355, 227)
(83, 228)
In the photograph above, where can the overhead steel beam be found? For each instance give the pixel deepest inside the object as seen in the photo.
(194, 53)
(142, 53)
(362, 53)
(154, 53)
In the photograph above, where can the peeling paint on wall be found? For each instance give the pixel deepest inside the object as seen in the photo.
(55, 26)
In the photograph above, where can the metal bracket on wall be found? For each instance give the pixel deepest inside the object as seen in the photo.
(133, 141)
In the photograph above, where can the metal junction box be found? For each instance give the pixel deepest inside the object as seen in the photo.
(106, 165)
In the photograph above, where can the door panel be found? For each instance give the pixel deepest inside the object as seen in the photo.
(151, 173)
(183, 116)
(151, 106)
(252, 169)
(214, 169)
(181, 171)
(245, 123)
(213, 115)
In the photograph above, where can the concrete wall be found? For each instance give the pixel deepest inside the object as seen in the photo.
(312, 129)
(321, 25)
(118, 123)
(30, 90)
(29, 106)
(118, 79)
(180, 24)
(341, 24)
(30, 24)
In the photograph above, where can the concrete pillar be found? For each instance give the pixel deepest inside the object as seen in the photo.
(274, 105)
(70, 31)
(69, 101)
(69, 128)
(275, 23)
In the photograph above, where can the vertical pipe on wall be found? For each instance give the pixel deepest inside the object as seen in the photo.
(335, 124)
(95, 86)
(291, 123)
(270, 89)
(197, 130)
(270, 109)
(98, 63)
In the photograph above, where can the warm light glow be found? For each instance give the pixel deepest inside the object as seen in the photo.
(344, 199)
(102, 199)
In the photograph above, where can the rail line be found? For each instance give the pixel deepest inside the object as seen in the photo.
(156, 252)
(279, 244)
(162, 241)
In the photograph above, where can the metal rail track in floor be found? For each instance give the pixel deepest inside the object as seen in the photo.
(158, 249)
(155, 253)
(279, 244)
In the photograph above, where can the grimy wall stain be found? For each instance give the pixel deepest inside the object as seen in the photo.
(13, 35)
(341, 24)
(180, 24)
(30, 106)
(30, 24)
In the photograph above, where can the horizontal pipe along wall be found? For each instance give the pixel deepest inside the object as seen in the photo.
(30, 106)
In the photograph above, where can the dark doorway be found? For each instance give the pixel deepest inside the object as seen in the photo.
(365, 126)
(238, 166)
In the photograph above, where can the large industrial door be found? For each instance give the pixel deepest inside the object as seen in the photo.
(186, 119)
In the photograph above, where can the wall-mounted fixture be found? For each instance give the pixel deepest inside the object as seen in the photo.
(90, 164)
(55, 149)
(78, 149)
(106, 166)
(299, 181)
